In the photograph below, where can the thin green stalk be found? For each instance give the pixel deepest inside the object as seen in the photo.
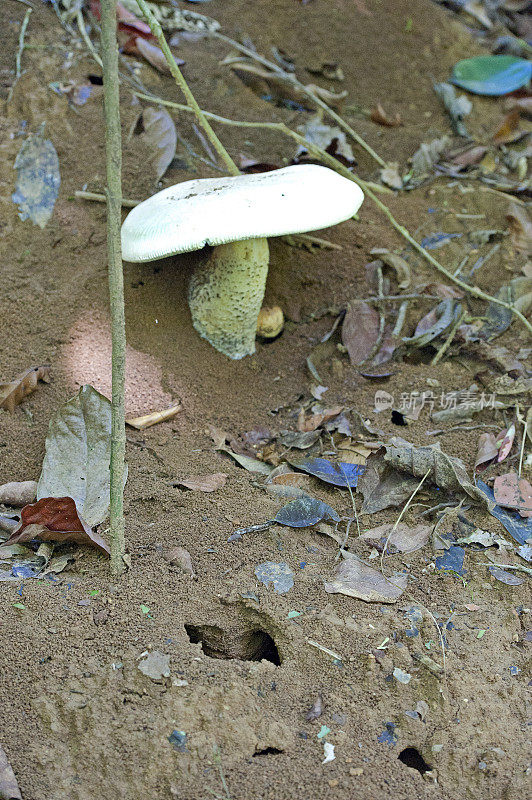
(181, 82)
(21, 46)
(331, 162)
(113, 152)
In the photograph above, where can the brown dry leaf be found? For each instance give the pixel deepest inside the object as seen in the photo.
(398, 538)
(331, 139)
(511, 491)
(13, 393)
(487, 451)
(218, 437)
(316, 709)
(382, 487)
(360, 331)
(54, 519)
(468, 157)
(306, 424)
(8, 783)
(291, 485)
(204, 483)
(520, 228)
(524, 104)
(443, 291)
(507, 130)
(18, 493)
(379, 115)
(354, 579)
(146, 421)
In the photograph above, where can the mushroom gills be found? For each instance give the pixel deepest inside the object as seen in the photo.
(225, 295)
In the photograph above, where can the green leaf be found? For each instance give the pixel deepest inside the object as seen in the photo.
(78, 452)
(20, 606)
(492, 75)
(144, 609)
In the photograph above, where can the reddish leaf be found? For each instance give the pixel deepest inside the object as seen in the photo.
(13, 393)
(360, 331)
(511, 491)
(305, 424)
(505, 442)
(54, 519)
(472, 155)
(487, 451)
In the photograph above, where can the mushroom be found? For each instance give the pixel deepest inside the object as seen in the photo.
(235, 215)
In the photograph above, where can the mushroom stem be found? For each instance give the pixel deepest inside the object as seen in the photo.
(225, 295)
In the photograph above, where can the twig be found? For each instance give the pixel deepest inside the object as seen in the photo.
(309, 93)
(181, 82)
(86, 38)
(447, 343)
(517, 567)
(324, 649)
(18, 57)
(101, 198)
(113, 152)
(331, 162)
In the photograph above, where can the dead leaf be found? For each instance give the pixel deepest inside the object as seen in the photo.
(13, 393)
(354, 579)
(476, 9)
(524, 104)
(505, 442)
(146, 421)
(511, 491)
(137, 45)
(446, 472)
(316, 709)
(218, 437)
(155, 665)
(487, 451)
(318, 133)
(318, 418)
(397, 538)
(433, 324)
(8, 783)
(330, 70)
(425, 157)
(506, 132)
(204, 483)
(457, 106)
(390, 176)
(54, 519)
(382, 487)
(379, 115)
(18, 493)
(178, 556)
(520, 226)
(469, 157)
(299, 440)
(160, 137)
(360, 331)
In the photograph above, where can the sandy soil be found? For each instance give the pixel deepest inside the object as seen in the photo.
(78, 719)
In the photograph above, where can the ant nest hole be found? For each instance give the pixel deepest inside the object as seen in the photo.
(243, 642)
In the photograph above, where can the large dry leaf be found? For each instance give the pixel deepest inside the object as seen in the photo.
(355, 579)
(160, 136)
(433, 324)
(447, 472)
(322, 135)
(319, 417)
(8, 783)
(382, 487)
(78, 453)
(204, 483)
(425, 157)
(54, 519)
(14, 392)
(511, 491)
(487, 451)
(38, 178)
(360, 331)
(398, 538)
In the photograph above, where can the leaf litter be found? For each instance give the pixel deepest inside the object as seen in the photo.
(14, 392)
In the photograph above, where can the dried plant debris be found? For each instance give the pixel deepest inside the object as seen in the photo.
(204, 483)
(397, 538)
(305, 511)
(8, 783)
(511, 491)
(382, 486)
(360, 331)
(153, 418)
(340, 474)
(278, 574)
(14, 392)
(435, 323)
(318, 133)
(38, 179)
(379, 115)
(18, 493)
(178, 556)
(424, 159)
(78, 454)
(520, 226)
(160, 137)
(54, 519)
(458, 107)
(155, 665)
(355, 579)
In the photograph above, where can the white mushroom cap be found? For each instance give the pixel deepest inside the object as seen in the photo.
(216, 211)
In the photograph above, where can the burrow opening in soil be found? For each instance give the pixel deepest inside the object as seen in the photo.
(246, 644)
(413, 759)
(268, 751)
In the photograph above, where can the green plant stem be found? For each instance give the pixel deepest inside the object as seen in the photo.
(331, 162)
(21, 46)
(181, 82)
(113, 153)
(308, 92)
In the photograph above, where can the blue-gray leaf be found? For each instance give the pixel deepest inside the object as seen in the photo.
(305, 511)
(38, 179)
(341, 474)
